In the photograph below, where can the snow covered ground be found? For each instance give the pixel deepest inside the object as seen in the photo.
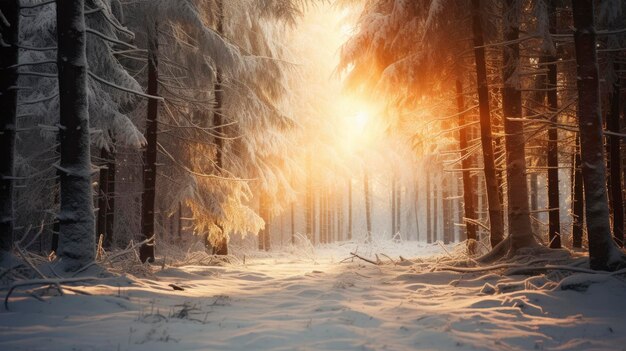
(310, 300)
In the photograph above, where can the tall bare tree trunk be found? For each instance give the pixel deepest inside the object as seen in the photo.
(350, 209)
(76, 217)
(617, 197)
(393, 206)
(103, 192)
(554, 214)
(146, 252)
(466, 164)
(398, 207)
(493, 198)
(578, 204)
(429, 212)
(110, 203)
(368, 205)
(8, 122)
(603, 253)
(310, 202)
(520, 229)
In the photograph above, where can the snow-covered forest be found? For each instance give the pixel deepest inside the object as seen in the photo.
(312, 174)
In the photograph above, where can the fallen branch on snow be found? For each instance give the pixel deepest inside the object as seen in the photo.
(55, 282)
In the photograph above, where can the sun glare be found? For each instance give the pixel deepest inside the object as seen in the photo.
(360, 121)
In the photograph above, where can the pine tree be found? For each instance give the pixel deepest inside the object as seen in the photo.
(76, 217)
(603, 253)
(9, 27)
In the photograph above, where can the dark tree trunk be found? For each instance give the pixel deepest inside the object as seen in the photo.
(368, 205)
(466, 164)
(616, 198)
(520, 229)
(146, 252)
(221, 247)
(493, 198)
(110, 203)
(8, 121)
(554, 228)
(103, 193)
(76, 217)
(577, 201)
(603, 253)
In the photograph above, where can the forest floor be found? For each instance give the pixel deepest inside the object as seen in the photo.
(309, 299)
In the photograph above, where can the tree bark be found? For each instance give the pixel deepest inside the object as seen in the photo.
(350, 209)
(554, 214)
(368, 209)
(76, 217)
(221, 247)
(8, 121)
(110, 203)
(577, 201)
(520, 229)
(146, 252)
(466, 164)
(429, 217)
(603, 253)
(393, 206)
(495, 208)
(103, 192)
(310, 217)
(616, 198)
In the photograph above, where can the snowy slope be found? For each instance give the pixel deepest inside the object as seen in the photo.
(281, 302)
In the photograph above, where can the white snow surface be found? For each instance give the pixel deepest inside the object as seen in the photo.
(299, 299)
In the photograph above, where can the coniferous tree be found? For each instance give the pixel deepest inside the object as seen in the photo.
(603, 253)
(493, 198)
(76, 216)
(9, 28)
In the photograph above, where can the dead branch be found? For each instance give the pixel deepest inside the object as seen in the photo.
(56, 282)
(364, 259)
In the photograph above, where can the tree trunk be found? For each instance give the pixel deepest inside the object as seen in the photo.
(293, 224)
(76, 217)
(416, 205)
(520, 229)
(221, 247)
(110, 203)
(308, 213)
(393, 206)
(577, 201)
(429, 218)
(350, 209)
(398, 207)
(8, 122)
(466, 164)
(616, 198)
(368, 209)
(447, 213)
(603, 253)
(495, 208)
(146, 252)
(103, 193)
(436, 199)
(554, 229)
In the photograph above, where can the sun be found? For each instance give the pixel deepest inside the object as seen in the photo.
(360, 121)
